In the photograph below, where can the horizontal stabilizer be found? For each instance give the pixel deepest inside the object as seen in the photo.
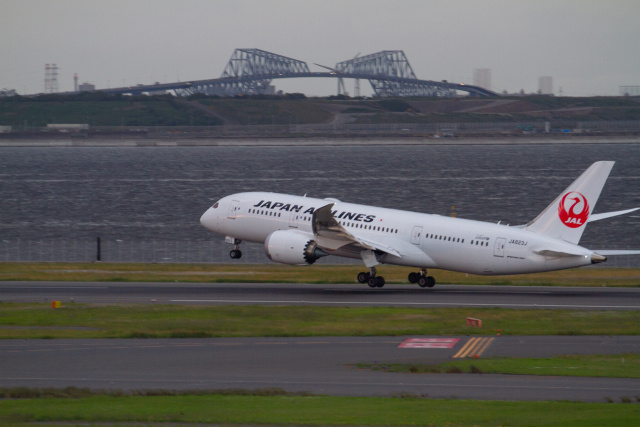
(596, 217)
(556, 254)
(618, 252)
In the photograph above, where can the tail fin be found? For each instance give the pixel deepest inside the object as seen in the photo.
(566, 218)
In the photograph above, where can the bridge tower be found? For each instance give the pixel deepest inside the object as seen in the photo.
(249, 72)
(390, 74)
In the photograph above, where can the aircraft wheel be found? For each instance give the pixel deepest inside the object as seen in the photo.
(431, 281)
(380, 281)
(363, 277)
(422, 282)
(235, 254)
(373, 282)
(413, 277)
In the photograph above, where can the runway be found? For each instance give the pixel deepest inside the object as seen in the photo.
(319, 365)
(519, 297)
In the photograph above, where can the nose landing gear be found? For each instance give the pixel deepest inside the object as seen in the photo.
(235, 253)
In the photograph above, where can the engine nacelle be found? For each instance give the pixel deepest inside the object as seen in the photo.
(290, 247)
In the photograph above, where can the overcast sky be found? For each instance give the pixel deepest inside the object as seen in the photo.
(589, 47)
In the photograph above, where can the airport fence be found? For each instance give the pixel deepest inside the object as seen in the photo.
(332, 129)
(133, 251)
(399, 129)
(173, 251)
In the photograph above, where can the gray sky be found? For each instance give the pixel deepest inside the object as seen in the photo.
(589, 47)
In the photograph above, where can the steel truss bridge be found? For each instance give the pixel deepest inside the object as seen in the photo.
(251, 71)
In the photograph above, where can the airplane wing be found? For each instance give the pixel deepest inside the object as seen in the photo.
(596, 217)
(325, 225)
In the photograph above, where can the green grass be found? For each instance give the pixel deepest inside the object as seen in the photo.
(269, 273)
(315, 410)
(18, 320)
(94, 321)
(611, 366)
(252, 111)
(99, 109)
(106, 110)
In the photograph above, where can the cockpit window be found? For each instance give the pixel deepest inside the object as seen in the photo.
(216, 205)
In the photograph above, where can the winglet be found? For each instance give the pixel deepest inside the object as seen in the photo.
(322, 219)
(324, 224)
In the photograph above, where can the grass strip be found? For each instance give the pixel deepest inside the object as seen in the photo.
(314, 410)
(39, 320)
(270, 273)
(611, 366)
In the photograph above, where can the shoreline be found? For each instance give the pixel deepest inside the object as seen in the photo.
(316, 141)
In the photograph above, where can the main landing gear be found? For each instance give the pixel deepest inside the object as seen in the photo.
(374, 281)
(371, 278)
(422, 279)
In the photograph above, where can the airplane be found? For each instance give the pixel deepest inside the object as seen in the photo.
(299, 230)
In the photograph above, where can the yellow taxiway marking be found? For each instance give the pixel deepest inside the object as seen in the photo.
(474, 347)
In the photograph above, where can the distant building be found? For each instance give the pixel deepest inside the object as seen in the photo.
(545, 85)
(629, 90)
(7, 92)
(86, 87)
(482, 78)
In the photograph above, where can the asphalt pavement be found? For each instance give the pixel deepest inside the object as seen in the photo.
(319, 365)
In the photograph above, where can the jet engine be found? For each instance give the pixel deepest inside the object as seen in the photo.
(290, 247)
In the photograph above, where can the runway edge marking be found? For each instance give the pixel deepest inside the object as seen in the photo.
(474, 347)
(429, 343)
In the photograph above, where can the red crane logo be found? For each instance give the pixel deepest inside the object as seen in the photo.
(573, 210)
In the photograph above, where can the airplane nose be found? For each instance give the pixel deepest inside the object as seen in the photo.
(208, 219)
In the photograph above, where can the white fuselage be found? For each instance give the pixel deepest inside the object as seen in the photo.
(421, 240)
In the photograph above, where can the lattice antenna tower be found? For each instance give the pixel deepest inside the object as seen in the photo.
(50, 78)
